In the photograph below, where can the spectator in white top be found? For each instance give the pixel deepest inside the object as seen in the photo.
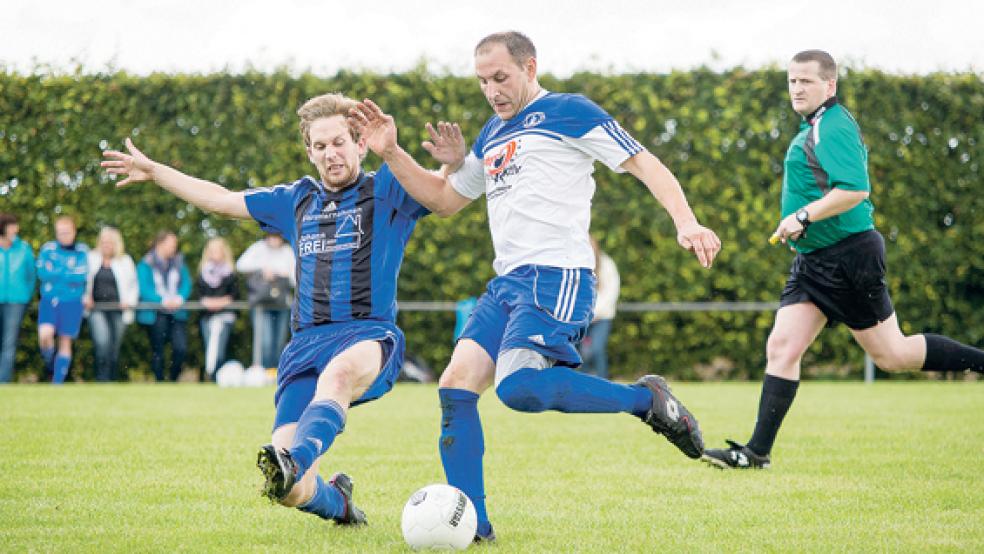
(269, 263)
(594, 347)
(112, 279)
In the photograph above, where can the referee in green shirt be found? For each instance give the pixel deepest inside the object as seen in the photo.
(838, 274)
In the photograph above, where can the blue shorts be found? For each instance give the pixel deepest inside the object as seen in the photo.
(64, 315)
(309, 351)
(543, 308)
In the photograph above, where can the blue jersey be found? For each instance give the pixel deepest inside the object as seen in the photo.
(348, 245)
(63, 270)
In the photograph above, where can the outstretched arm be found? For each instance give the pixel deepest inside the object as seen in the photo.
(664, 186)
(432, 189)
(206, 195)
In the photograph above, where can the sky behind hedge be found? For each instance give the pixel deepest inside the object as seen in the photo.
(904, 36)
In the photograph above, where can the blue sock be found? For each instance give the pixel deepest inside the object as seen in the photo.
(48, 357)
(327, 502)
(462, 447)
(62, 363)
(319, 424)
(566, 390)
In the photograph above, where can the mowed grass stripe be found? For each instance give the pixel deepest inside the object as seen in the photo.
(171, 468)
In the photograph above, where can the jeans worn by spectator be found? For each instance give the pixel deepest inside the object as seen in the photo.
(106, 328)
(594, 349)
(270, 328)
(11, 315)
(167, 328)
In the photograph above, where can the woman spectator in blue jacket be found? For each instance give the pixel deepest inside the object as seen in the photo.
(16, 289)
(164, 280)
(62, 268)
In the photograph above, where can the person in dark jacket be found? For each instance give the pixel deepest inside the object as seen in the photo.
(217, 287)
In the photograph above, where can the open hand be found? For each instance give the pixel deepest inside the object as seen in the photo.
(135, 165)
(447, 145)
(375, 127)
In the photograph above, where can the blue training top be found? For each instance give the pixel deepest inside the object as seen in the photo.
(348, 245)
(62, 270)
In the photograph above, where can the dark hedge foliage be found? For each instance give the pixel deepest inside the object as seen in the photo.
(723, 134)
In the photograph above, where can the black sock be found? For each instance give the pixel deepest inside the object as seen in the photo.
(777, 396)
(946, 354)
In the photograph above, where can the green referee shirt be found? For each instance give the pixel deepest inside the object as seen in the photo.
(827, 152)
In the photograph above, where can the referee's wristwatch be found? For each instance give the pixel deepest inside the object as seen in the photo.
(803, 217)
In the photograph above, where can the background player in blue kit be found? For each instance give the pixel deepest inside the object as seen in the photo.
(62, 269)
(348, 231)
(533, 160)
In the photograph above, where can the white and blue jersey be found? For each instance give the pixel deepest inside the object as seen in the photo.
(535, 170)
(348, 245)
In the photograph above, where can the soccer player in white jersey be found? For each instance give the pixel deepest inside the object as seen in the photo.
(533, 160)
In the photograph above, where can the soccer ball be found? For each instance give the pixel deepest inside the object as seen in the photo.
(231, 374)
(255, 376)
(439, 516)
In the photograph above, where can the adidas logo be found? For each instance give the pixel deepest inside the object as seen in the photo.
(537, 339)
(330, 207)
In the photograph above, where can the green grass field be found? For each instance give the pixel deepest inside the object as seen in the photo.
(132, 468)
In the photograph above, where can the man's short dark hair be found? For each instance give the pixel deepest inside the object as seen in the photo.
(5, 220)
(828, 67)
(520, 46)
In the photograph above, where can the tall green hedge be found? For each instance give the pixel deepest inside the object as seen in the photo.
(723, 134)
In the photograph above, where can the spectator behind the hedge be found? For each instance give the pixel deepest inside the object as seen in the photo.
(62, 268)
(594, 347)
(112, 279)
(16, 289)
(217, 288)
(164, 279)
(270, 266)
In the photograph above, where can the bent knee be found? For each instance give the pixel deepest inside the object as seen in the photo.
(458, 376)
(891, 362)
(784, 350)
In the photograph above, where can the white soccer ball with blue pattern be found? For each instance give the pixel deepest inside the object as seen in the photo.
(439, 516)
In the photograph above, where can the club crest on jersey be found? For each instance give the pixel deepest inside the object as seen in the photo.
(498, 161)
(533, 119)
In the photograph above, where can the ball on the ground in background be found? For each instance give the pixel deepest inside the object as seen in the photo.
(231, 374)
(439, 516)
(255, 376)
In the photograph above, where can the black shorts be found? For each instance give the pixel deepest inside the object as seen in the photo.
(845, 281)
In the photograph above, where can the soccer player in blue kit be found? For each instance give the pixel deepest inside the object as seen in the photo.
(533, 160)
(348, 231)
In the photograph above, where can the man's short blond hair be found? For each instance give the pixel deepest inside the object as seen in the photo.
(326, 105)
